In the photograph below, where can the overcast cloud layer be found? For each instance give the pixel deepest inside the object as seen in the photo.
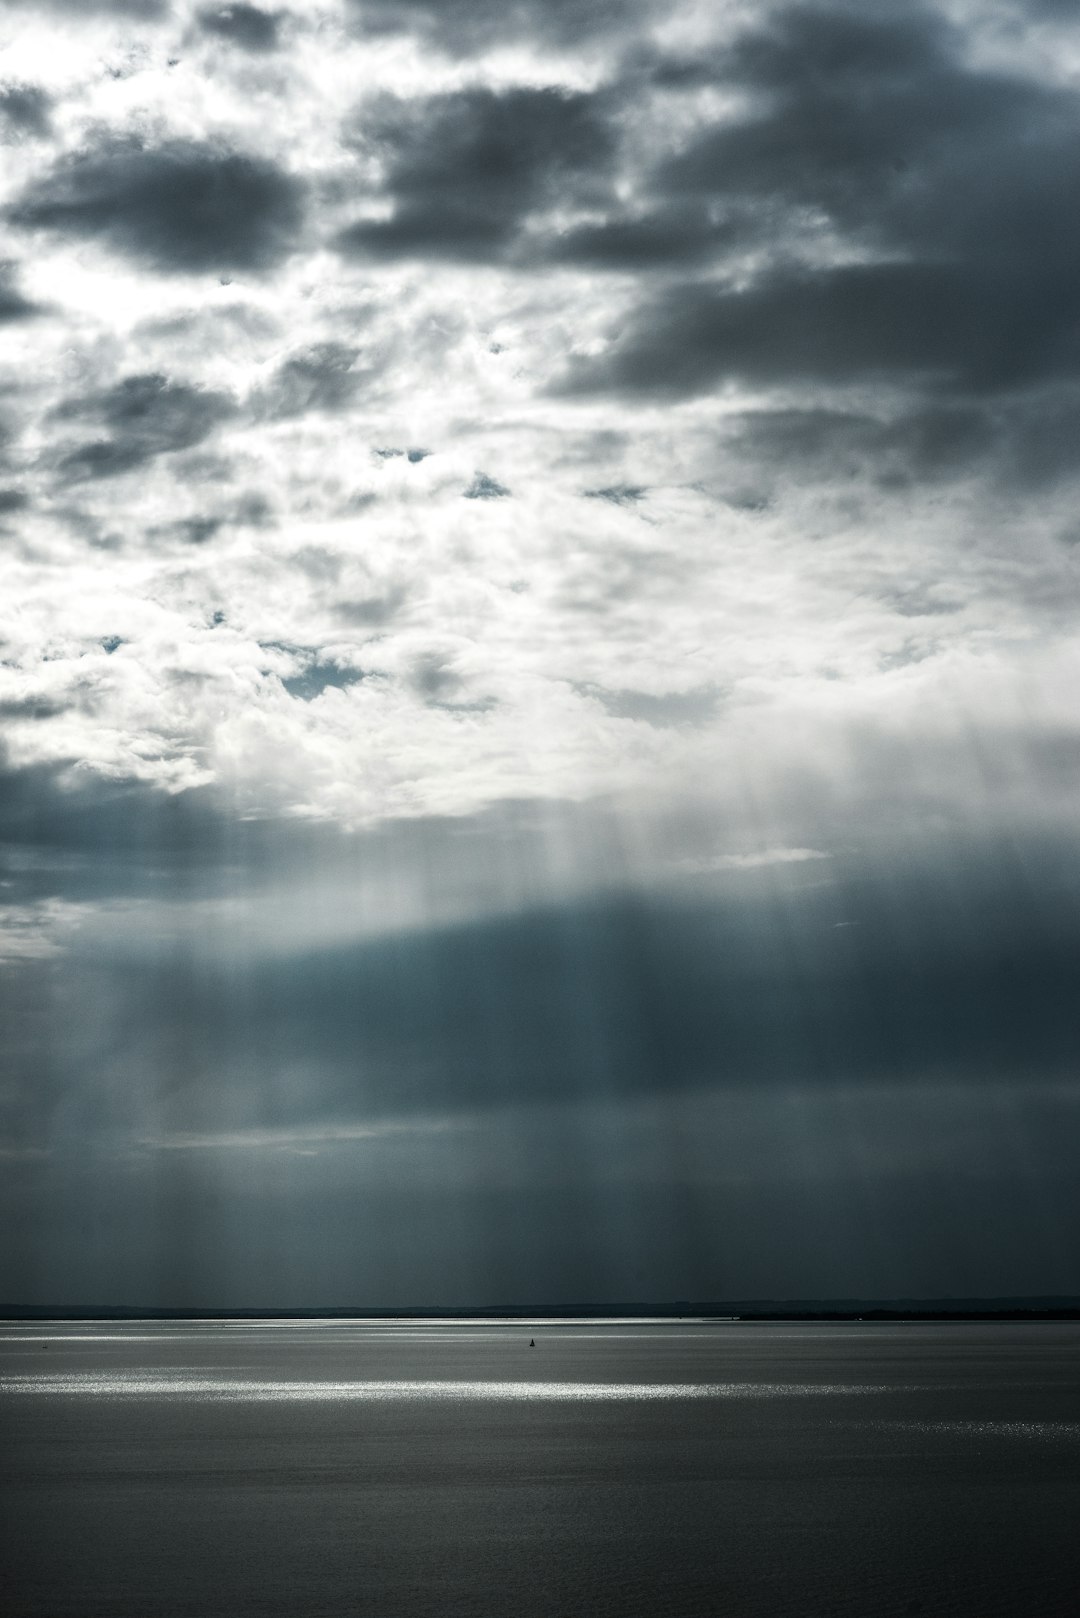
(538, 634)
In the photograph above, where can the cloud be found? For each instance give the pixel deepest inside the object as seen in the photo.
(300, 1139)
(483, 487)
(32, 707)
(876, 123)
(876, 206)
(181, 206)
(723, 990)
(145, 416)
(324, 377)
(463, 171)
(876, 322)
(618, 494)
(135, 10)
(660, 709)
(462, 27)
(248, 27)
(916, 444)
(37, 931)
(373, 611)
(24, 111)
(661, 237)
(752, 861)
(13, 305)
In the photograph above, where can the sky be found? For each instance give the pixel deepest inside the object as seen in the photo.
(538, 651)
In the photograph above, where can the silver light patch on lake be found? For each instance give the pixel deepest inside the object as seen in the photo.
(118, 1384)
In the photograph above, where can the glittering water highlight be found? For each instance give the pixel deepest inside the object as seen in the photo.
(118, 1384)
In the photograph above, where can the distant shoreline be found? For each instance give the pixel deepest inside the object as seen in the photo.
(1035, 1308)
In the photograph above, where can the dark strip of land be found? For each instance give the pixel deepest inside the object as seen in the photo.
(1033, 1308)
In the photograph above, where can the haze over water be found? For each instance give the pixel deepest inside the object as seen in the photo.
(410, 1469)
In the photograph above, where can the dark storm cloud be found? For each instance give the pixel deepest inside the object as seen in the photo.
(953, 186)
(24, 111)
(246, 26)
(13, 305)
(842, 100)
(92, 836)
(940, 324)
(145, 416)
(902, 1024)
(668, 235)
(1023, 444)
(884, 976)
(463, 26)
(916, 445)
(465, 170)
(183, 206)
(877, 123)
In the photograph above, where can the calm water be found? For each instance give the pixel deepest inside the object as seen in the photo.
(404, 1470)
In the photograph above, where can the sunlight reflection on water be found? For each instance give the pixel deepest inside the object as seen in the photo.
(116, 1384)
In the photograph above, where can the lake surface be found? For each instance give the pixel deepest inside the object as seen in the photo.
(402, 1469)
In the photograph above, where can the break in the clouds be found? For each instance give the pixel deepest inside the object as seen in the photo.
(538, 642)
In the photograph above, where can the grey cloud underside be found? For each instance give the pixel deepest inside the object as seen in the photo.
(758, 987)
(1024, 443)
(876, 123)
(326, 377)
(691, 707)
(144, 416)
(246, 26)
(484, 487)
(666, 235)
(945, 188)
(181, 206)
(137, 10)
(24, 112)
(13, 305)
(464, 171)
(952, 185)
(935, 324)
(648, 997)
